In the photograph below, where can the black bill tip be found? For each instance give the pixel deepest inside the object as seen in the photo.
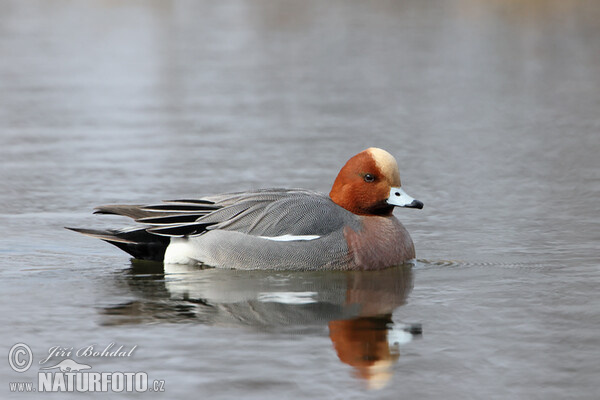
(415, 204)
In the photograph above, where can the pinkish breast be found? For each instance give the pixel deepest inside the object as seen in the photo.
(382, 242)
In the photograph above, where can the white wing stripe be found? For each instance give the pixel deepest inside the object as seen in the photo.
(290, 238)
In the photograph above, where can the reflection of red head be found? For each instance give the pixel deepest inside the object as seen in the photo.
(363, 343)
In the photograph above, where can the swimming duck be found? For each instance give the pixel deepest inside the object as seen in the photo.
(351, 228)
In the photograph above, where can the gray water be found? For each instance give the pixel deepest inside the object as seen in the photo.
(492, 109)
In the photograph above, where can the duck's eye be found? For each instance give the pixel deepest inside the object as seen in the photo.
(369, 177)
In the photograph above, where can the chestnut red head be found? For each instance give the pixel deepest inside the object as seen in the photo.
(369, 184)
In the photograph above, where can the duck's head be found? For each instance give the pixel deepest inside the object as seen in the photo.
(369, 184)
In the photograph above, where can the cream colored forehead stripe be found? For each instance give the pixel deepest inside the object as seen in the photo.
(387, 164)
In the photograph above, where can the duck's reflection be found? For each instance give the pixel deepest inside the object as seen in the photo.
(355, 306)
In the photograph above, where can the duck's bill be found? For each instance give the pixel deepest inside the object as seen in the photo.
(399, 198)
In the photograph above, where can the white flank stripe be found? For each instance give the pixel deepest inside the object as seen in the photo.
(290, 238)
(288, 297)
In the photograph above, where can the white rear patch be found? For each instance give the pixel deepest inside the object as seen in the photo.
(288, 297)
(290, 238)
(178, 252)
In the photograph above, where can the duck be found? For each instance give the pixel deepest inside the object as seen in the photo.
(351, 228)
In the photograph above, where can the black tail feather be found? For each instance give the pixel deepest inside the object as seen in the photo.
(180, 207)
(137, 242)
(190, 201)
(176, 218)
(170, 219)
(131, 211)
(180, 230)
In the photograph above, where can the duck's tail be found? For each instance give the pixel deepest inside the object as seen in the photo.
(135, 241)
